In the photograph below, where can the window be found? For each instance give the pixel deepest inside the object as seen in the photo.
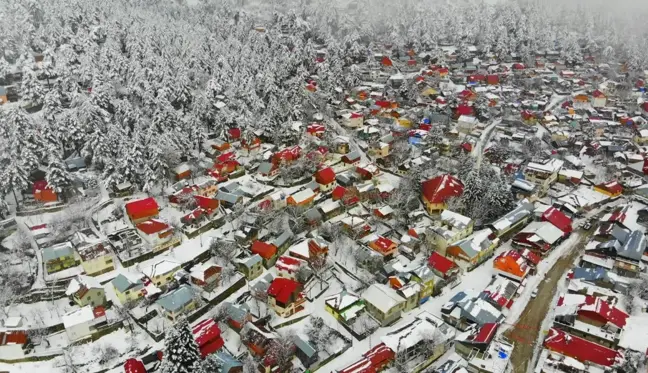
(158, 283)
(109, 261)
(98, 293)
(88, 298)
(92, 303)
(127, 292)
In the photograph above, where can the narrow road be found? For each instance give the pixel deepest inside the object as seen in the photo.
(478, 151)
(527, 330)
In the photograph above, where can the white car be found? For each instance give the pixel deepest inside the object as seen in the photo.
(534, 293)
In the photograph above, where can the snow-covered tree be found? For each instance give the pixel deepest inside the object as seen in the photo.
(181, 354)
(31, 88)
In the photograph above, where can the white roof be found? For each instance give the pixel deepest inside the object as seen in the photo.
(182, 168)
(468, 119)
(76, 317)
(329, 205)
(455, 219)
(551, 166)
(160, 267)
(341, 300)
(81, 280)
(544, 231)
(300, 249)
(382, 297)
(303, 195)
(635, 335)
(198, 271)
(13, 321)
(571, 173)
(425, 326)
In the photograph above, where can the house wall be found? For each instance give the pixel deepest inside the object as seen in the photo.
(78, 331)
(385, 319)
(99, 265)
(163, 279)
(327, 187)
(434, 208)
(94, 297)
(11, 351)
(186, 309)
(129, 295)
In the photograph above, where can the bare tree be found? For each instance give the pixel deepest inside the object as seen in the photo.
(281, 351)
(224, 251)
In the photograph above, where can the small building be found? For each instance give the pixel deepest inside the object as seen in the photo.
(206, 275)
(3, 96)
(382, 245)
(305, 351)
(142, 210)
(267, 251)
(543, 173)
(539, 236)
(208, 337)
(344, 306)
(227, 363)
(474, 249)
(353, 120)
(177, 302)
(182, 171)
(420, 342)
(251, 267)
(466, 308)
(13, 343)
(325, 177)
(512, 265)
(161, 272)
(584, 351)
(514, 220)
(155, 232)
(383, 303)
(612, 189)
(85, 290)
(127, 289)
(466, 123)
(599, 99)
(81, 323)
(96, 259)
(302, 198)
(59, 257)
(285, 296)
(443, 267)
(452, 227)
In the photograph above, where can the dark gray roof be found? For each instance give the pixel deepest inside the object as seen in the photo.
(265, 168)
(304, 346)
(227, 197)
(236, 312)
(634, 246)
(282, 239)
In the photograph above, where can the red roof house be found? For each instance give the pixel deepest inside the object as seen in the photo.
(206, 202)
(596, 311)
(134, 366)
(285, 296)
(383, 246)
(234, 133)
(142, 209)
(612, 188)
(325, 177)
(580, 349)
(438, 190)
(518, 66)
(208, 337)
(386, 61)
(464, 109)
(532, 258)
(492, 79)
(558, 219)
(441, 265)
(267, 251)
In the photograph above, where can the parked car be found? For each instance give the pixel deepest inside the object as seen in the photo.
(534, 293)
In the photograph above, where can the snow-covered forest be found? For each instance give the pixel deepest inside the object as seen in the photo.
(135, 85)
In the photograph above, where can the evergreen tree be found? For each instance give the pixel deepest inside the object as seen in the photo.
(181, 354)
(57, 175)
(31, 88)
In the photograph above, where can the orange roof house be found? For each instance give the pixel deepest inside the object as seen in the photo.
(265, 250)
(142, 209)
(612, 188)
(582, 98)
(511, 264)
(383, 246)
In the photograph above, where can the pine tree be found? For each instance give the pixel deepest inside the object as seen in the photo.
(31, 88)
(181, 354)
(57, 175)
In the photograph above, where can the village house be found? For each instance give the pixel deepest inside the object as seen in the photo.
(156, 233)
(443, 267)
(177, 302)
(83, 322)
(288, 267)
(430, 284)
(382, 245)
(474, 249)
(302, 198)
(467, 308)
(251, 267)
(612, 189)
(85, 290)
(207, 335)
(475, 339)
(344, 306)
(451, 228)
(59, 257)
(512, 265)
(325, 177)
(582, 350)
(142, 210)
(127, 289)
(543, 173)
(161, 272)
(285, 296)
(206, 275)
(514, 220)
(267, 251)
(237, 315)
(96, 259)
(309, 249)
(500, 292)
(591, 318)
(420, 342)
(383, 303)
(438, 190)
(13, 344)
(626, 248)
(539, 237)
